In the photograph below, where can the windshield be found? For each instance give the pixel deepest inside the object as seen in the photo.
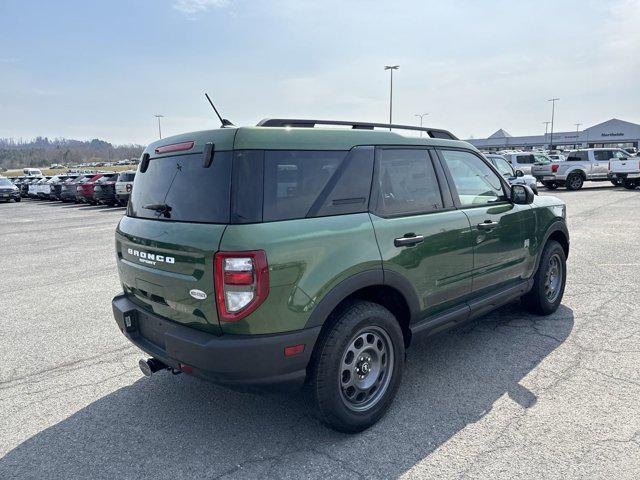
(180, 188)
(4, 182)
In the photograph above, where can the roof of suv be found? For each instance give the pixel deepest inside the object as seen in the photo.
(299, 138)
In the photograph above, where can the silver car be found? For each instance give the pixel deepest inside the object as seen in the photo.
(514, 177)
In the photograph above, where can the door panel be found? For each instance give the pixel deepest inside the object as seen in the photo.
(441, 266)
(502, 251)
(419, 234)
(501, 231)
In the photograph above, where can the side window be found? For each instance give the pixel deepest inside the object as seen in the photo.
(619, 154)
(602, 155)
(475, 182)
(348, 190)
(406, 182)
(294, 179)
(524, 159)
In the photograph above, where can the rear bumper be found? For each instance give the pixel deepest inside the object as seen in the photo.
(623, 176)
(249, 361)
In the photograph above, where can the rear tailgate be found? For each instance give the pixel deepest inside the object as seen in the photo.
(178, 210)
(163, 264)
(628, 165)
(540, 170)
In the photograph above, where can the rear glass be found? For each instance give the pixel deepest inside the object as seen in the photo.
(179, 188)
(294, 179)
(126, 177)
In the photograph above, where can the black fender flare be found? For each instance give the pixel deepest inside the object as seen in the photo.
(557, 226)
(367, 278)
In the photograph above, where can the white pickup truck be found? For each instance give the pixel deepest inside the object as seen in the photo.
(589, 164)
(625, 171)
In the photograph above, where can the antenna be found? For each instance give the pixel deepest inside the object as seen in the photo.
(223, 121)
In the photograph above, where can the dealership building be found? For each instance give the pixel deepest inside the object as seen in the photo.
(612, 133)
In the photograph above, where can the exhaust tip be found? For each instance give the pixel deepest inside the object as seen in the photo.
(144, 367)
(150, 366)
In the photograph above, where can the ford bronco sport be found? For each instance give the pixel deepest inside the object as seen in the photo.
(289, 255)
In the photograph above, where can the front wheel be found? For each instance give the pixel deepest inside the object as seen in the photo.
(358, 367)
(575, 181)
(548, 281)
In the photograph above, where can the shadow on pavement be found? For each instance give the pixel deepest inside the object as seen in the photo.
(177, 426)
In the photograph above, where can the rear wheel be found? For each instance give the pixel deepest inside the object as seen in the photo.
(549, 281)
(358, 367)
(616, 182)
(630, 184)
(575, 181)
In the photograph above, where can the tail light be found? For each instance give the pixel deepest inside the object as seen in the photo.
(241, 282)
(554, 167)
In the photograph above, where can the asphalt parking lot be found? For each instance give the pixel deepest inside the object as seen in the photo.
(510, 396)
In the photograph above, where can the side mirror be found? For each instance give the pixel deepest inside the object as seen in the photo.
(519, 173)
(521, 194)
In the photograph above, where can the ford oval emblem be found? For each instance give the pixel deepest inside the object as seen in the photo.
(197, 294)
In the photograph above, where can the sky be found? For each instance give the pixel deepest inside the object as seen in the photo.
(102, 69)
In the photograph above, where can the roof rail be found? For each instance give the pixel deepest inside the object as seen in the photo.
(302, 123)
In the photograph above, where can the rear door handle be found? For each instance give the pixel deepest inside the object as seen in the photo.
(487, 225)
(408, 239)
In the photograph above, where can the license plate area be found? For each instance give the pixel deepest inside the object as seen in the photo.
(548, 177)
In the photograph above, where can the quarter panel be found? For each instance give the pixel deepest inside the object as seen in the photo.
(307, 258)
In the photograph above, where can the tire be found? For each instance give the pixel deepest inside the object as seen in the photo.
(18, 199)
(630, 184)
(539, 300)
(574, 181)
(616, 183)
(550, 185)
(369, 335)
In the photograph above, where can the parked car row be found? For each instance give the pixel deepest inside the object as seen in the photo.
(590, 164)
(107, 188)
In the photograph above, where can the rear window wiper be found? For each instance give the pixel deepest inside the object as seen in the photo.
(162, 208)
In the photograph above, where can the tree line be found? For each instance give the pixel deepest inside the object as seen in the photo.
(43, 152)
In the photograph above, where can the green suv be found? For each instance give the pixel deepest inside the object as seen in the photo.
(289, 255)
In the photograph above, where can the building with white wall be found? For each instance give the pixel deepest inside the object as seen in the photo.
(612, 133)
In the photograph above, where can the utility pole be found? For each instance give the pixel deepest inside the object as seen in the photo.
(553, 111)
(577, 132)
(421, 116)
(158, 116)
(391, 68)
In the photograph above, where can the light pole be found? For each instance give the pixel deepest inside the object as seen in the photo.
(577, 132)
(391, 68)
(421, 116)
(546, 128)
(158, 116)
(553, 111)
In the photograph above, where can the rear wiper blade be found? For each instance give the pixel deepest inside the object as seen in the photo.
(160, 208)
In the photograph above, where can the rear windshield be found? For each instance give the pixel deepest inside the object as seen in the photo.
(178, 188)
(126, 177)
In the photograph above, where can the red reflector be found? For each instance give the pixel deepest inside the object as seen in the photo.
(186, 368)
(238, 278)
(175, 147)
(554, 168)
(293, 350)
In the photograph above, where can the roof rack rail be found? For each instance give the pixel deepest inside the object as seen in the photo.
(302, 123)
